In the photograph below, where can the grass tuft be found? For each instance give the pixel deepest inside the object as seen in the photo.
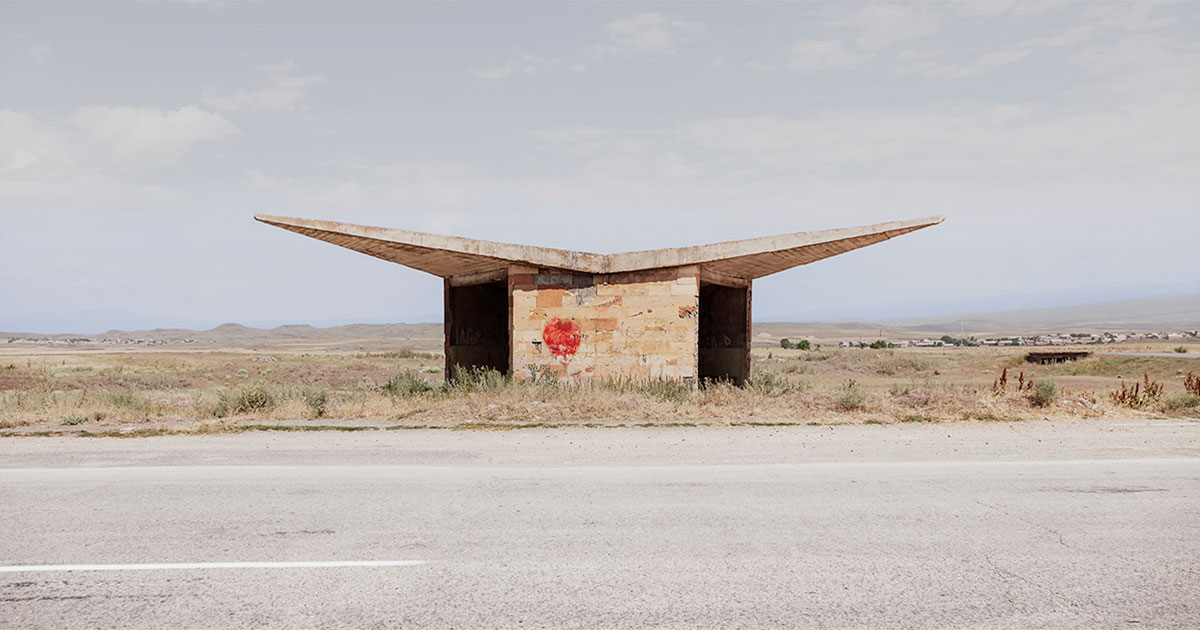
(406, 385)
(1045, 392)
(852, 396)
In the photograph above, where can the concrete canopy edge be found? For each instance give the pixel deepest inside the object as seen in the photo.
(453, 256)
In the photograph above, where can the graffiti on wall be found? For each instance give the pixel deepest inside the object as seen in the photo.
(562, 337)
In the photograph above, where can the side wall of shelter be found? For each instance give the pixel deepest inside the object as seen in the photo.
(630, 325)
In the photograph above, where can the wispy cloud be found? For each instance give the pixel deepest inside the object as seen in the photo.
(813, 54)
(883, 24)
(113, 139)
(286, 89)
(640, 35)
(935, 64)
(39, 52)
(88, 153)
(646, 34)
(520, 65)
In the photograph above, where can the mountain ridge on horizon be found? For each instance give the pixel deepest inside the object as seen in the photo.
(1180, 312)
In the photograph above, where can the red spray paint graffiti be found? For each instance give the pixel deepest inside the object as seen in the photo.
(562, 338)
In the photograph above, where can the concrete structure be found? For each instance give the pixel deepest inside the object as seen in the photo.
(680, 313)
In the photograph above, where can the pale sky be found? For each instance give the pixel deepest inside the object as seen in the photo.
(1061, 141)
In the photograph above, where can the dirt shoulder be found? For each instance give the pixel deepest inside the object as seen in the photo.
(1108, 438)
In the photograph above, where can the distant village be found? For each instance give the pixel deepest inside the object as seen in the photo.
(103, 341)
(1055, 339)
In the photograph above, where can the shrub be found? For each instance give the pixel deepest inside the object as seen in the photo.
(990, 417)
(1180, 401)
(315, 398)
(127, 399)
(803, 344)
(914, 394)
(1181, 350)
(665, 390)
(785, 344)
(541, 376)
(245, 399)
(466, 380)
(406, 384)
(891, 365)
(403, 353)
(1045, 392)
(770, 384)
(1138, 396)
(852, 396)
(255, 396)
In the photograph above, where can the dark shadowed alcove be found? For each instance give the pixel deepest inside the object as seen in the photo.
(724, 338)
(477, 327)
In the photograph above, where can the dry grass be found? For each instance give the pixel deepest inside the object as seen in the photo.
(208, 391)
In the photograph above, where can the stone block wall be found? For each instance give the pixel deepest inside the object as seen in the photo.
(638, 325)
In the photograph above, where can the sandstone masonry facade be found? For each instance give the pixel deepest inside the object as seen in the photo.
(640, 325)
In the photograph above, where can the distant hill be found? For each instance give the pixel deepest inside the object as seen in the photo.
(295, 336)
(1128, 315)
(1177, 313)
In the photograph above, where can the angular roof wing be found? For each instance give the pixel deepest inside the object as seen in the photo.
(452, 256)
(757, 257)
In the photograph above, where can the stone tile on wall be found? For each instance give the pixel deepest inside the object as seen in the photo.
(631, 325)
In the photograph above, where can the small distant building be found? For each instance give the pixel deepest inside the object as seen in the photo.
(680, 314)
(1056, 357)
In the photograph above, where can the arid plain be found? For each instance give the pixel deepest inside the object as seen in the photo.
(234, 379)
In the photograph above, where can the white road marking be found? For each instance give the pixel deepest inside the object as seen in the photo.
(210, 565)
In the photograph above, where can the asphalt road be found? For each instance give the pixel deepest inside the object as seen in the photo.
(1066, 525)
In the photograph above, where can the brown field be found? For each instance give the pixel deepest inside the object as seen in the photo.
(177, 388)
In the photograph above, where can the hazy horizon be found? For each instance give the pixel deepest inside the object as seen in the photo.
(137, 141)
(946, 317)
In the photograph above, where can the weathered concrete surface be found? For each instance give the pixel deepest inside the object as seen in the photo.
(451, 256)
(1064, 525)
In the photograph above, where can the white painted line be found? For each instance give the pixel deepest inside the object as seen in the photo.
(186, 566)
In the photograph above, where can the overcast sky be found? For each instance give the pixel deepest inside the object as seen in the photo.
(1061, 141)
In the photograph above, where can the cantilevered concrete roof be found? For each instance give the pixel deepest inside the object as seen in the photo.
(452, 256)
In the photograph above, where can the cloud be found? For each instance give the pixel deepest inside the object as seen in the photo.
(39, 52)
(136, 139)
(933, 64)
(522, 65)
(1022, 142)
(880, 25)
(761, 69)
(992, 9)
(1133, 16)
(812, 54)
(286, 90)
(604, 154)
(1094, 20)
(85, 154)
(646, 34)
